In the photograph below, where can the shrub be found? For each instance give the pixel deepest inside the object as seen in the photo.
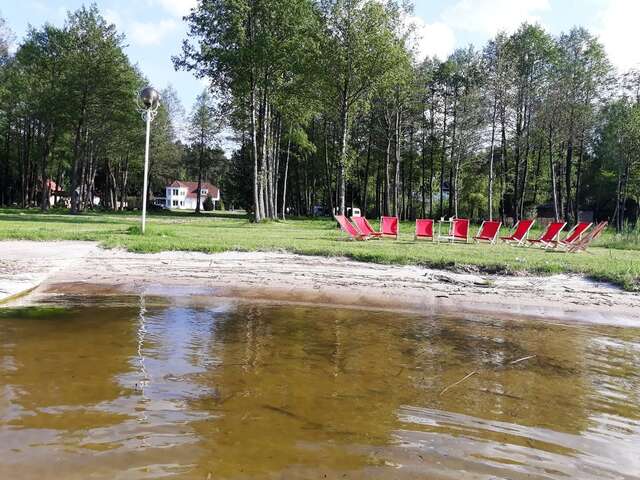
(208, 204)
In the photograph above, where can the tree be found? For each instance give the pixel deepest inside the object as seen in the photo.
(204, 127)
(359, 52)
(253, 50)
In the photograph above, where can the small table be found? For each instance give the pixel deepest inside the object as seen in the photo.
(440, 223)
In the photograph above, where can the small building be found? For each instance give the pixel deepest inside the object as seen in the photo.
(184, 195)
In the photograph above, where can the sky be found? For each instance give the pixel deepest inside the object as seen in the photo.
(154, 28)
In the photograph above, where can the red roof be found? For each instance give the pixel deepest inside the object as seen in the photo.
(192, 188)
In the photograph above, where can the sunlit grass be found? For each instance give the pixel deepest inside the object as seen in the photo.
(610, 260)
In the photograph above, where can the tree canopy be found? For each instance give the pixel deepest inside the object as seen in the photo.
(329, 109)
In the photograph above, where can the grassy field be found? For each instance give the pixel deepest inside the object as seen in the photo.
(614, 258)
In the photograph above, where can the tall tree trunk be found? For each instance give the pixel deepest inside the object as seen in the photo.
(342, 159)
(200, 164)
(444, 153)
(254, 152)
(44, 186)
(365, 183)
(284, 181)
(398, 158)
(576, 201)
(491, 152)
(452, 187)
(552, 170)
(75, 200)
(432, 141)
(327, 167)
(387, 174)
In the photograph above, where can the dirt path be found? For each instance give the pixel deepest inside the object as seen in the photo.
(83, 267)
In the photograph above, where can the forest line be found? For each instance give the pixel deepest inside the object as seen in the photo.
(330, 109)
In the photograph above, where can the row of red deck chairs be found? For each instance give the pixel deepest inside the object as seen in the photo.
(578, 238)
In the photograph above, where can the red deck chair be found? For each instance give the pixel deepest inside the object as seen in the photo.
(550, 235)
(583, 243)
(389, 227)
(424, 228)
(520, 234)
(349, 229)
(459, 230)
(488, 232)
(364, 227)
(574, 235)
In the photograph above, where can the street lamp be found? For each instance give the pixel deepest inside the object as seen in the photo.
(148, 102)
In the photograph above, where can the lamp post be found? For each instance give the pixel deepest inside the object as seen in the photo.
(148, 103)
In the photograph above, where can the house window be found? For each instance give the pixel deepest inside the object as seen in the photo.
(203, 191)
(181, 203)
(176, 191)
(175, 203)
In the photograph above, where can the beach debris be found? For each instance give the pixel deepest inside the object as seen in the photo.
(459, 381)
(476, 372)
(521, 359)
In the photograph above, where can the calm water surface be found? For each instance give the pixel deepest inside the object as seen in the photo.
(150, 387)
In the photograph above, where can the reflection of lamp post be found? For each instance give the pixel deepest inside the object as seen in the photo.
(148, 103)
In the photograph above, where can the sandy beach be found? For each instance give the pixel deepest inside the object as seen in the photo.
(51, 268)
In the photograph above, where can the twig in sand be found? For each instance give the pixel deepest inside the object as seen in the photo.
(521, 359)
(459, 381)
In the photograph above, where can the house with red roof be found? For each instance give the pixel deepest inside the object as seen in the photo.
(184, 195)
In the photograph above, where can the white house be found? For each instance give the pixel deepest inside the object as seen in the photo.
(184, 195)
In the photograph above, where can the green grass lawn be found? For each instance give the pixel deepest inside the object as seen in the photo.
(613, 258)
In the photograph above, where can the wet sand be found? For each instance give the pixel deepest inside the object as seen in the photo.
(51, 268)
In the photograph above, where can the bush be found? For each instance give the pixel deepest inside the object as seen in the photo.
(208, 204)
(220, 205)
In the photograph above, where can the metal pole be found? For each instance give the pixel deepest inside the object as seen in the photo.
(146, 171)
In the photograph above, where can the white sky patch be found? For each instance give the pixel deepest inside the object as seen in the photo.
(179, 8)
(491, 16)
(111, 16)
(619, 32)
(431, 39)
(150, 33)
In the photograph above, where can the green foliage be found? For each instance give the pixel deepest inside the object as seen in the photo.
(208, 204)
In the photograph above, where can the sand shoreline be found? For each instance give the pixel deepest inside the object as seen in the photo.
(51, 268)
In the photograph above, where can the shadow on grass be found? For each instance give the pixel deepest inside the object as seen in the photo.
(103, 218)
(74, 219)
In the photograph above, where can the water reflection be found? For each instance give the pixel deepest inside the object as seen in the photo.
(144, 387)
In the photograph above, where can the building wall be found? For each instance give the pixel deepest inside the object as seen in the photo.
(176, 199)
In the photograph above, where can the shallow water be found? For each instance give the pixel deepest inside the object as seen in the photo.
(149, 387)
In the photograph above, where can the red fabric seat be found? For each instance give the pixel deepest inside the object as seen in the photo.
(389, 227)
(520, 233)
(550, 235)
(488, 231)
(364, 227)
(424, 228)
(349, 229)
(584, 242)
(460, 229)
(574, 235)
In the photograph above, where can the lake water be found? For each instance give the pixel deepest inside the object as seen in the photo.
(160, 387)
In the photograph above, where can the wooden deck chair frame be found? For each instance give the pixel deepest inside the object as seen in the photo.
(383, 221)
(544, 242)
(348, 228)
(515, 242)
(564, 245)
(417, 237)
(490, 241)
(584, 242)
